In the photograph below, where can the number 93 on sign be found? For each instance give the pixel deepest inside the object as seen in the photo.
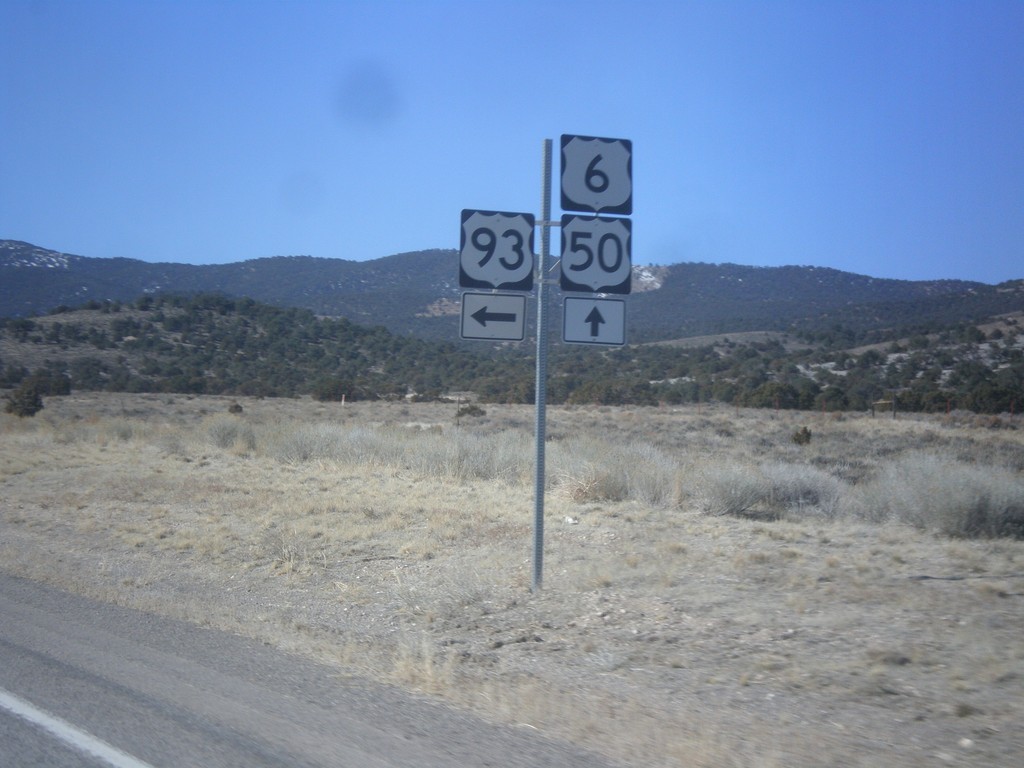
(596, 254)
(496, 250)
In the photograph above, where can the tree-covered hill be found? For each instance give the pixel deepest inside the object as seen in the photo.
(389, 291)
(417, 294)
(698, 299)
(215, 344)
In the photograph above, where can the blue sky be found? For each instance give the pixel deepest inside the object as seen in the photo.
(883, 138)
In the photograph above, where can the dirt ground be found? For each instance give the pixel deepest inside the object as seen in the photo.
(662, 636)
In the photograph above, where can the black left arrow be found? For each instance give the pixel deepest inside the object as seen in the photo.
(482, 316)
(595, 319)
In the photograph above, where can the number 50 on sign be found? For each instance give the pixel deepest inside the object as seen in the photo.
(596, 255)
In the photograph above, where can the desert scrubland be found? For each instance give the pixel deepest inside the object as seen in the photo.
(716, 593)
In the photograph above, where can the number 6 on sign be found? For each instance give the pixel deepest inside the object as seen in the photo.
(596, 254)
(496, 250)
(597, 175)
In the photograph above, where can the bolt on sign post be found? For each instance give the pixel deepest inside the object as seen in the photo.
(496, 254)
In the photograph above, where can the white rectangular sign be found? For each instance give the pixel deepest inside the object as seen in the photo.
(594, 321)
(493, 316)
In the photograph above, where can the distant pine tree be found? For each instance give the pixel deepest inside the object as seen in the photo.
(25, 400)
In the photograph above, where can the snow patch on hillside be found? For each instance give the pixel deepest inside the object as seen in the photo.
(648, 278)
(16, 255)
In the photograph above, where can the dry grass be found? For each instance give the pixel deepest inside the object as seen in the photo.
(715, 594)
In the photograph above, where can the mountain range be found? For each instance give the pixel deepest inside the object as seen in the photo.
(418, 293)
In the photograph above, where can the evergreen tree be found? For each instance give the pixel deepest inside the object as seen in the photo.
(25, 400)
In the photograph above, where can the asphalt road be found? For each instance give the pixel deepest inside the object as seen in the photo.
(84, 683)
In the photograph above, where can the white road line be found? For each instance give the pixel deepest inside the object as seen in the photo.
(69, 734)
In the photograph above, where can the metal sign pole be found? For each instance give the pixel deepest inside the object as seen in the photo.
(540, 390)
(597, 177)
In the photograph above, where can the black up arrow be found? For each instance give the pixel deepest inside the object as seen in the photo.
(595, 319)
(482, 316)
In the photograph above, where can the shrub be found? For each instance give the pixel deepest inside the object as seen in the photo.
(335, 390)
(313, 442)
(731, 489)
(228, 431)
(462, 455)
(800, 489)
(120, 429)
(589, 471)
(26, 400)
(802, 436)
(771, 490)
(332, 442)
(652, 476)
(51, 383)
(945, 495)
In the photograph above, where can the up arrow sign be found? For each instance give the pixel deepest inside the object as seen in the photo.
(595, 320)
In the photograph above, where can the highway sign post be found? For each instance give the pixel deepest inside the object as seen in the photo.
(496, 253)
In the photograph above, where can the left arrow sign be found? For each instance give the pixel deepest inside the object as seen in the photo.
(493, 316)
(482, 316)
